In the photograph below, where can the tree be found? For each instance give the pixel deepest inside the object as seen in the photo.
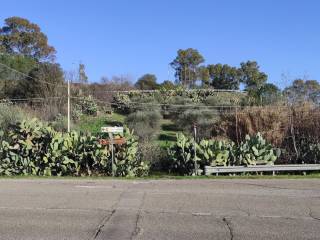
(147, 82)
(82, 74)
(268, 94)
(9, 78)
(251, 75)
(19, 36)
(43, 81)
(303, 90)
(168, 85)
(204, 76)
(224, 76)
(186, 66)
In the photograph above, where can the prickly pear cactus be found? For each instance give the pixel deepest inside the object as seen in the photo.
(182, 155)
(256, 151)
(36, 149)
(215, 153)
(127, 158)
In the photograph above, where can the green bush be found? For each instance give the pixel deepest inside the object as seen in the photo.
(157, 157)
(314, 153)
(176, 105)
(36, 149)
(203, 118)
(146, 124)
(222, 99)
(309, 151)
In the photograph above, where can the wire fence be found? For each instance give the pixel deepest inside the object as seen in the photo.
(235, 111)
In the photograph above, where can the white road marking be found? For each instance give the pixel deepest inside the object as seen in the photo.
(201, 214)
(93, 187)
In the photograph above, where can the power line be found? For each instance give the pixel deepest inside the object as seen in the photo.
(28, 99)
(26, 75)
(187, 90)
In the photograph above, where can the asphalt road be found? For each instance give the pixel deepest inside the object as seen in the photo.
(162, 209)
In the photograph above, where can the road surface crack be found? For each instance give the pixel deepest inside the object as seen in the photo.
(228, 224)
(271, 187)
(312, 216)
(138, 229)
(104, 221)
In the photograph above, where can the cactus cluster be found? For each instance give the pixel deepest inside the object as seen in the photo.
(36, 149)
(216, 153)
(127, 101)
(209, 152)
(182, 155)
(84, 106)
(256, 151)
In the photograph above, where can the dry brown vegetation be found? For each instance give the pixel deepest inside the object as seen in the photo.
(286, 127)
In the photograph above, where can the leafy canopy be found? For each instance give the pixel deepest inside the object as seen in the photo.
(20, 36)
(147, 82)
(186, 66)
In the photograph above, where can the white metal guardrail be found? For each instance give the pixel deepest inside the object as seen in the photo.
(262, 168)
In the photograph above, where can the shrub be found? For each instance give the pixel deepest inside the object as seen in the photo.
(146, 124)
(9, 114)
(222, 99)
(60, 124)
(175, 105)
(203, 118)
(309, 152)
(157, 157)
(314, 153)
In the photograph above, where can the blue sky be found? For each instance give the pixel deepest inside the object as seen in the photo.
(134, 37)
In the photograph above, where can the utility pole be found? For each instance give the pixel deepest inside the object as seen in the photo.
(69, 105)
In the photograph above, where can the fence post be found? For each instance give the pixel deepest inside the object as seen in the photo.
(195, 149)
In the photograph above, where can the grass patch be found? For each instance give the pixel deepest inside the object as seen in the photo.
(168, 133)
(280, 176)
(93, 124)
(161, 176)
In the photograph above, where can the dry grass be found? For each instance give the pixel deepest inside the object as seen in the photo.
(274, 122)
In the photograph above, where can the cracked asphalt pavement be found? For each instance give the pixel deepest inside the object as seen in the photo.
(159, 209)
